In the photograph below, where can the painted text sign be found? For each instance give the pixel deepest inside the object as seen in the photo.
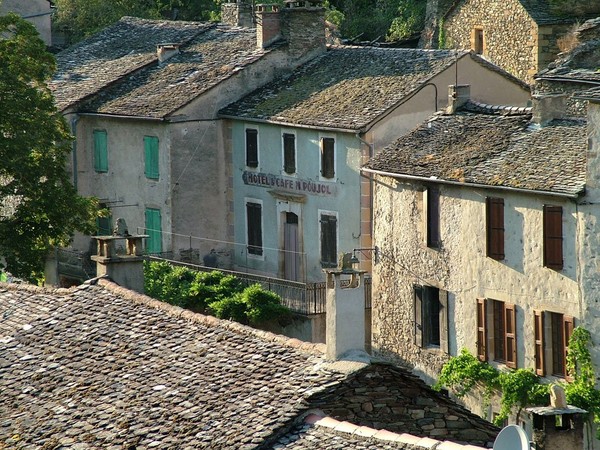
(269, 180)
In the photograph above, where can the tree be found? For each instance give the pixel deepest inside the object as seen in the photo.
(39, 207)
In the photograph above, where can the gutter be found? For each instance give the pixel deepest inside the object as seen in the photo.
(474, 185)
(568, 80)
(121, 116)
(287, 124)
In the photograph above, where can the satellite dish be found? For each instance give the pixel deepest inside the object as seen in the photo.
(512, 437)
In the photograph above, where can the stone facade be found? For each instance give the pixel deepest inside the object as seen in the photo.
(511, 37)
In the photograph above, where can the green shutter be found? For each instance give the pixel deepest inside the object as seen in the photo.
(151, 157)
(100, 151)
(104, 226)
(153, 230)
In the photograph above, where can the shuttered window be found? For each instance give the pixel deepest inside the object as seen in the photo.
(100, 151)
(104, 226)
(154, 231)
(327, 157)
(431, 317)
(553, 239)
(251, 147)
(289, 153)
(540, 368)
(510, 336)
(432, 215)
(151, 157)
(328, 224)
(495, 227)
(254, 228)
(481, 329)
(500, 323)
(562, 329)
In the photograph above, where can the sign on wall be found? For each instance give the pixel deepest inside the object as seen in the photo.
(269, 180)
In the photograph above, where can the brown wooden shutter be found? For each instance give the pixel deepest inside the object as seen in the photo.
(568, 325)
(289, 153)
(328, 240)
(254, 218)
(510, 335)
(495, 227)
(251, 147)
(481, 329)
(418, 314)
(553, 237)
(538, 328)
(433, 217)
(327, 157)
(444, 338)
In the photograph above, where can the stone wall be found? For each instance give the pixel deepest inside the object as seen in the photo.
(575, 107)
(510, 35)
(237, 14)
(384, 396)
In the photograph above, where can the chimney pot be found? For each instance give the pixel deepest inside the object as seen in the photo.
(458, 95)
(166, 51)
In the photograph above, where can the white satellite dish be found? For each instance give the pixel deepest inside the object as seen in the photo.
(512, 437)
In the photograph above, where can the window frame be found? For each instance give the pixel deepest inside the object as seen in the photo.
(497, 323)
(495, 231)
(256, 249)
(332, 253)
(327, 158)
(288, 169)
(428, 319)
(251, 163)
(100, 150)
(154, 240)
(561, 328)
(151, 157)
(431, 205)
(478, 40)
(553, 233)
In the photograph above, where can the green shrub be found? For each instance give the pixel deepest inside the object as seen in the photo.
(231, 308)
(263, 305)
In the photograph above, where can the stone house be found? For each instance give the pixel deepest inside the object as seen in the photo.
(142, 98)
(99, 366)
(518, 35)
(486, 225)
(296, 195)
(38, 12)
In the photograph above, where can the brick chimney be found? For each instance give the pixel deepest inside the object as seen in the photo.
(458, 95)
(268, 26)
(303, 27)
(166, 51)
(237, 14)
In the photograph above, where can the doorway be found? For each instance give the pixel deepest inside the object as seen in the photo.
(291, 247)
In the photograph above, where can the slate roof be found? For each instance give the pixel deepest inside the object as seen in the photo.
(591, 94)
(492, 150)
(99, 366)
(117, 71)
(346, 88)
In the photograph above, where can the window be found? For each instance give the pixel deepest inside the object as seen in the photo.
(431, 317)
(289, 153)
(328, 222)
(100, 151)
(327, 157)
(254, 228)
(495, 228)
(552, 333)
(104, 224)
(478, 43)
(432, 217)
(553, 240)
(251, 147)
(151, 157)
(154, 231)
(497, 320)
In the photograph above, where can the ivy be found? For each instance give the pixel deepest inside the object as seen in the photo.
(522, 387)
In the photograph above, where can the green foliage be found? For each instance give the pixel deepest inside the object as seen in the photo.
(263, 305)
(231, 308)
(35, 187)
(332, 14)
(409, 20)
(519, 388)
(442, 35)
(461, 373)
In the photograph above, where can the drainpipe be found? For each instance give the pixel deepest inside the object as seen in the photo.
(74, 149)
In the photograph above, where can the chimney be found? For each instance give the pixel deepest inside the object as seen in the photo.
(237, 14)
(345, 313)
(268, 27)
(166, 51)
(548, 107)
(458, 95)
(303, 27)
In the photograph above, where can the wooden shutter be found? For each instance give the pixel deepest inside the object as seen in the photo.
(444, 336)
(289, 153)
(418, 315)
(327, 157)
(568, 325)
(251, 147)
(510, 335)
(153, 230)
(481, 329)
(433, 217)
(104, 226)
(254, 224)
(328, 240)
(553, 245)
(151, 157)
(100, 151)
(538, 327)
(495, 227)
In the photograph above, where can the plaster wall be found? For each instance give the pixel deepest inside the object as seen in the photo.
(37, 12)
(461, 267)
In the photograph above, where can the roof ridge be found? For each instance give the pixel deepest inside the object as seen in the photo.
(209, 321)
(317, 419)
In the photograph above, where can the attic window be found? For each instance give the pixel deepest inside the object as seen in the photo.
(477, 41)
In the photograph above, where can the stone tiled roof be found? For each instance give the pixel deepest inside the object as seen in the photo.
(118, 50)
(591, 94)
(346, 88)
(99, 366)
(493, 150)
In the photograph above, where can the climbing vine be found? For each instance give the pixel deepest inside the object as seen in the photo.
(522, 387)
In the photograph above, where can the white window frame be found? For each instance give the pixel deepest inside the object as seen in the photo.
(262, 227)
(335, 151)
(283, 172)
(252, 127)
(326, 212)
